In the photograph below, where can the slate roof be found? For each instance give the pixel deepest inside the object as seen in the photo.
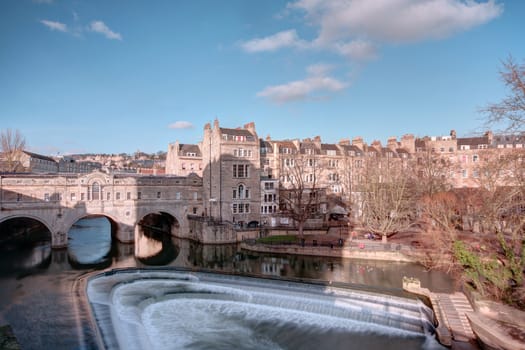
(39, 156)
(189, 148)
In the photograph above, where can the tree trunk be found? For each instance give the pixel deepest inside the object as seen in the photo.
(300, 228)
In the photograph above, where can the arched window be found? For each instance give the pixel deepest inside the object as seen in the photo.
(95, 191)
(241, 191)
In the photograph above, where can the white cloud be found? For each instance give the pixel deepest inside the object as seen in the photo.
(357, 50)
(102, 28)
(181, 125)
(307, 88)
(395, 20)
(287, 38)
(61, 27)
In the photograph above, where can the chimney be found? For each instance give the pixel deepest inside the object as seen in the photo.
(250, 126)
(392, 143)
(358, 142)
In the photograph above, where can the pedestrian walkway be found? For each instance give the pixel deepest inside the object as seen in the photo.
(454, 308)
(451, 311)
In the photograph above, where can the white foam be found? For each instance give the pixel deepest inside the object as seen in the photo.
(182, 310)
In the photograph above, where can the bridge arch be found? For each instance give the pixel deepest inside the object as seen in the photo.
(176, 223)
(40, 219)
(115, 226)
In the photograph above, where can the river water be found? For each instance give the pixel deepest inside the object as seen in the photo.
(41, 300)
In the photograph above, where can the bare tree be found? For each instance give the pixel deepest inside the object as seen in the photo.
(495, 265)
(12, 144)
(511, 110)
(386, 195)
(432, 173)
(299, 192)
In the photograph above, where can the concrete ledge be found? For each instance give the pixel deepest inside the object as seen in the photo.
(493, 334)
(344, 252)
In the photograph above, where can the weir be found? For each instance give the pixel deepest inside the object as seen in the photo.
(171, 309)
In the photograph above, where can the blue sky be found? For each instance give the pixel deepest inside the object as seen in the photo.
(120, 76)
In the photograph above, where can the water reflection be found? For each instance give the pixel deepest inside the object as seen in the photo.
(89, 243)
(25, 246)
(36, 298)
(155, 248)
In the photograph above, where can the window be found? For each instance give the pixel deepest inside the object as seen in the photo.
(475, 158)
(191, 154)
(139, 195)
(234, 208)
(288, 162)
(108, 196)
(177, 195)
(95, 191)
(82, 196)
(195, 195)
(234, 194)
(330, 152)
(73, 196)
(464, 173)
(241, 191)
(117, 196)
(333, 177)
(158, 195)
(241, 152)
(240, 170)
(268, 185)
(18, 197)
(46, 197)
(128, 196)
(194, 210)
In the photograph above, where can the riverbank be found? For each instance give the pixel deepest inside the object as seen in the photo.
(355, 249)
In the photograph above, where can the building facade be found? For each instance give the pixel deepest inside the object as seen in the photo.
(245, 178)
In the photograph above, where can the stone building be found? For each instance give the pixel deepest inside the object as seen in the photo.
(184, 159)
(231, 173)
(243, 176)
(37, 163)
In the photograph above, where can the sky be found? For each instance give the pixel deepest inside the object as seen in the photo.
(115, 76)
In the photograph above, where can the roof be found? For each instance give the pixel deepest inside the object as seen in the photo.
(189, 148)
(330, 147)
(236, 132)
(39, 156)
(352, 148)
(265, 144)
(473, 141)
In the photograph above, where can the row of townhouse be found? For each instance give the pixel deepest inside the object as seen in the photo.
(244, 177)
(36, 163)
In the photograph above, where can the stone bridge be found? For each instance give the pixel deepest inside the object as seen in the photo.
(58, 201)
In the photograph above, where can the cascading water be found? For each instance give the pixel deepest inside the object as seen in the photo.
(161, 309)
